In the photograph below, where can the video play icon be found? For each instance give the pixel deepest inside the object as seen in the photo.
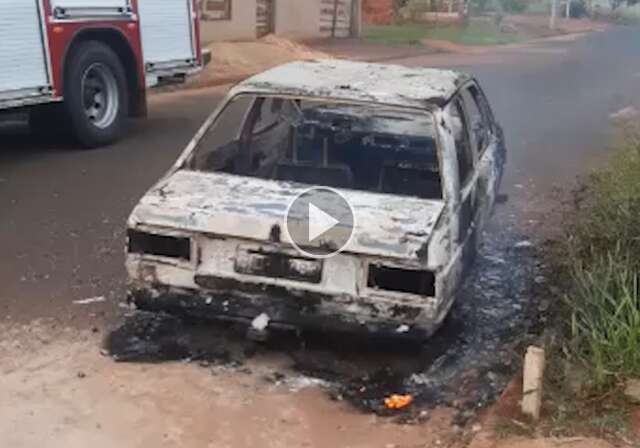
(320, 222)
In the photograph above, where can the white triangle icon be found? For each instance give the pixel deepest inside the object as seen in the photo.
(319, 222)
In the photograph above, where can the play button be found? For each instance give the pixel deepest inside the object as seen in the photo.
(320, 222)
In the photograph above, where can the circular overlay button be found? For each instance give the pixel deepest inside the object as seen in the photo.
(320, 222)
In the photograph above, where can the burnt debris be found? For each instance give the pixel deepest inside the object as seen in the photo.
(465, 365)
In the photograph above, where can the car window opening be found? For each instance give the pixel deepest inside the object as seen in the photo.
(364, 147)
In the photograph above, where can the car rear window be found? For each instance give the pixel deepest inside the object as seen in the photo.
(364, 147)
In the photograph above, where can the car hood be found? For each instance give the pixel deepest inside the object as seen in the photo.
(248, 208)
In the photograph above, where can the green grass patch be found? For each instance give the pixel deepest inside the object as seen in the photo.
(407, 34)
(508, 427)
(605, 317)
(475, 33)
(604, 415)
(594, 346)
(603, 252)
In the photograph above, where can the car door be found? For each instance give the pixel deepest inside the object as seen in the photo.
(485, 142)
(466, 164)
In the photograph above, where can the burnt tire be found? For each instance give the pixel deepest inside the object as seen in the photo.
(96, 97)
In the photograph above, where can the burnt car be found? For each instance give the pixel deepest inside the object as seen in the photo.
(416, 152)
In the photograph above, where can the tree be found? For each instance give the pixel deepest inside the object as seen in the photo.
(514, 6)
(615, 4)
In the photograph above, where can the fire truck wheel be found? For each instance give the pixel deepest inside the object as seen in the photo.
(96, 97)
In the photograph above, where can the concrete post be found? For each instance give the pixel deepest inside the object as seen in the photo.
(554, 11)
(532, 381)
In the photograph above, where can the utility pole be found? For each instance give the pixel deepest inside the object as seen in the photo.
(554, 11)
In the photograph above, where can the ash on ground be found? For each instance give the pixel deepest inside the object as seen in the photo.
(465, 365)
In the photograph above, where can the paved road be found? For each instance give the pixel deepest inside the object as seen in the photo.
(61, 226)
(64, 209)
(556, 114)
(554, 99)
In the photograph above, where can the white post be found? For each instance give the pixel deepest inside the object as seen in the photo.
(532, 382)
(568, 13)
(554, 11)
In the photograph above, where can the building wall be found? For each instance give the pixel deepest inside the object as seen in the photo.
(343, 22)
(377, 11)
(241, 25)
(298, 18)
(293, 18)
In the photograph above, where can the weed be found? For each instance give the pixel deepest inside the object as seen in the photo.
(608, 209)
(413, 34)
(597, 346)
(605, 317)
(509, 427)
(603, 301)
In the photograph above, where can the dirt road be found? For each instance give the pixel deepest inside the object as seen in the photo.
(62, 235)
(68, 396)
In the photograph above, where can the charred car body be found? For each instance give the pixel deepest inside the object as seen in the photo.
(416, 152)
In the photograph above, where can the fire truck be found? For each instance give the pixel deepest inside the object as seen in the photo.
(85, 65)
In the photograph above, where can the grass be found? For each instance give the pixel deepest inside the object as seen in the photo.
(604, 252)
(408, 34)
(609, 207)
(596, 345)
(604, 416)
(475, 33)
(605, 317)
(505, 428)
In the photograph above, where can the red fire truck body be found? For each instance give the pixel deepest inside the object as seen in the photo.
(86, 64)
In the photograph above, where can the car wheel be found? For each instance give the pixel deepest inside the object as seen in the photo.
(95, 91)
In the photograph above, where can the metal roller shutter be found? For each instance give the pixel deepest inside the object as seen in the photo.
(166, 28)
(22, 55)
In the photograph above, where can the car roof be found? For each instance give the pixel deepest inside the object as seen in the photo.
(358, 81)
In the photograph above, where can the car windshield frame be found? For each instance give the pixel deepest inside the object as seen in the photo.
(185, 161)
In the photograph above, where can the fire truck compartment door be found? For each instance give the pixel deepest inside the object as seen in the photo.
(23, 68)
(167, 34)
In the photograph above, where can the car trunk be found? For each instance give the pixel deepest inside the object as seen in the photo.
(254, 210)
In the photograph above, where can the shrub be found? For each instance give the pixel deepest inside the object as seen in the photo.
(605, 318)
(603, 302)
(608, 208)
(579, 9)
(514, 6)
(479, 6)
